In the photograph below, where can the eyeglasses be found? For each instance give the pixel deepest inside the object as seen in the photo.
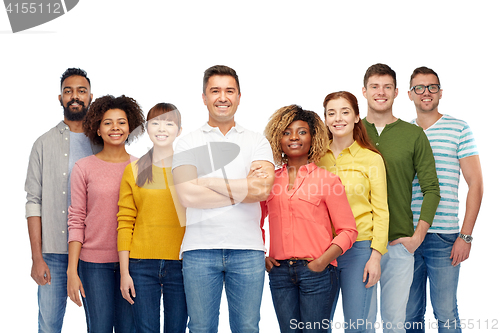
(433, 89)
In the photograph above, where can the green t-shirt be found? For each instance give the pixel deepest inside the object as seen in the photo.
(406, 151)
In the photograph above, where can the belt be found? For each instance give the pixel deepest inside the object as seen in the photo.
(291, 261)
(295, 259)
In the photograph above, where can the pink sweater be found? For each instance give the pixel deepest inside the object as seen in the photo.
(95, 189)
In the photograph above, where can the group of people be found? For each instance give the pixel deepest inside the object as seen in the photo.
(350, 203)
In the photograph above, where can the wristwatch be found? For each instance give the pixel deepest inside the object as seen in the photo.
(466, 238)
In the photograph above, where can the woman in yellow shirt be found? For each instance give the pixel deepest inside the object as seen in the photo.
(361, 168)
(151, 227)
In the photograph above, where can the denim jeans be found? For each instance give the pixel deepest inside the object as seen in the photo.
(395, 282)
(432, 261)
(205, 274)
(302, 299)
(152, 279)
(104, 304)
(356, 298)
(52, 298)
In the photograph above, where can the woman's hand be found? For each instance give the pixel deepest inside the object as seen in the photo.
(317, 265)
(270, 263)
(372, 269)
(75, 287)
(127, 288)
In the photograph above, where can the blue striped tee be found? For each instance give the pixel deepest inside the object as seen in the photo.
(451, 139)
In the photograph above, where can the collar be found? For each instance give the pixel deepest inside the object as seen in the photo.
(308, 168)
(388, 126)
(442, 116)
(352, 149)
(62, 127)
(398, 120)
(207, 128)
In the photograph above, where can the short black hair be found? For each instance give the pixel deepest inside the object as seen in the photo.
(74, 71)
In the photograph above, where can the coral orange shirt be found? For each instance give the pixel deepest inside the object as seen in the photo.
(301, 219)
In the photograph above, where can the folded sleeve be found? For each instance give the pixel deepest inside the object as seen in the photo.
(33, 185)
(425, 166)
(378, 200)
(341, 216)
(127, 210)
(77, 212)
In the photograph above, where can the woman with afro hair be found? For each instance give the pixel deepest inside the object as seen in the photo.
(306, 205)
(93, 265)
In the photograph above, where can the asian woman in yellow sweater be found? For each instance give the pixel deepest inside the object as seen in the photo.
(151, 225)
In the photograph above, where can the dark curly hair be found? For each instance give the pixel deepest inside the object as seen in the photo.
(286, 115)
(92, 120)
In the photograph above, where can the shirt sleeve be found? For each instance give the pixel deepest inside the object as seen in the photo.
(127, 210)
(341, 216)
(378, 200)
(263, 151)
(33, 185)
(467, 145)
(425, 167)
(183, 154)
(77, 212)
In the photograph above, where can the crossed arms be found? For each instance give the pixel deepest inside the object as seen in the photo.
(205, 193)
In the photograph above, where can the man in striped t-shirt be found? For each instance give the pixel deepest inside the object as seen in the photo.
(445, 245)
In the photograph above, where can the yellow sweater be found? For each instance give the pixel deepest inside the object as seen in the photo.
(363, 175)
(148, 223)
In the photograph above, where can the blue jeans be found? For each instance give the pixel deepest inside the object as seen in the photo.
(395, 282)
(152, 279)
(52, 298)
(302, 299)
(205, 273)
(432, 261)
(104, 304)
(356, 299)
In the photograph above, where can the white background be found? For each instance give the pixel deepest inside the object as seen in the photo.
(285, 52)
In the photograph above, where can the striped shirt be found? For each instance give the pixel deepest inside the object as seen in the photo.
(451, 139)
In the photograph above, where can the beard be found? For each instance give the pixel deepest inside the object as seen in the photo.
(74, 115)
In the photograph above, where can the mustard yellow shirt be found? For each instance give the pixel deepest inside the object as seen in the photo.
(362, 172)
(148, 224)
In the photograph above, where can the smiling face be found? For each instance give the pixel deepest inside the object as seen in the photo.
(114, 128)
(426, 102)
(296, 141)
(162, 131)
(75, 97)
(380, 92)
(340, 118)
(222, 99)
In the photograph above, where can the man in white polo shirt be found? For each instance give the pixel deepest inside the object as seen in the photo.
(222, 171)
(446, 245)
